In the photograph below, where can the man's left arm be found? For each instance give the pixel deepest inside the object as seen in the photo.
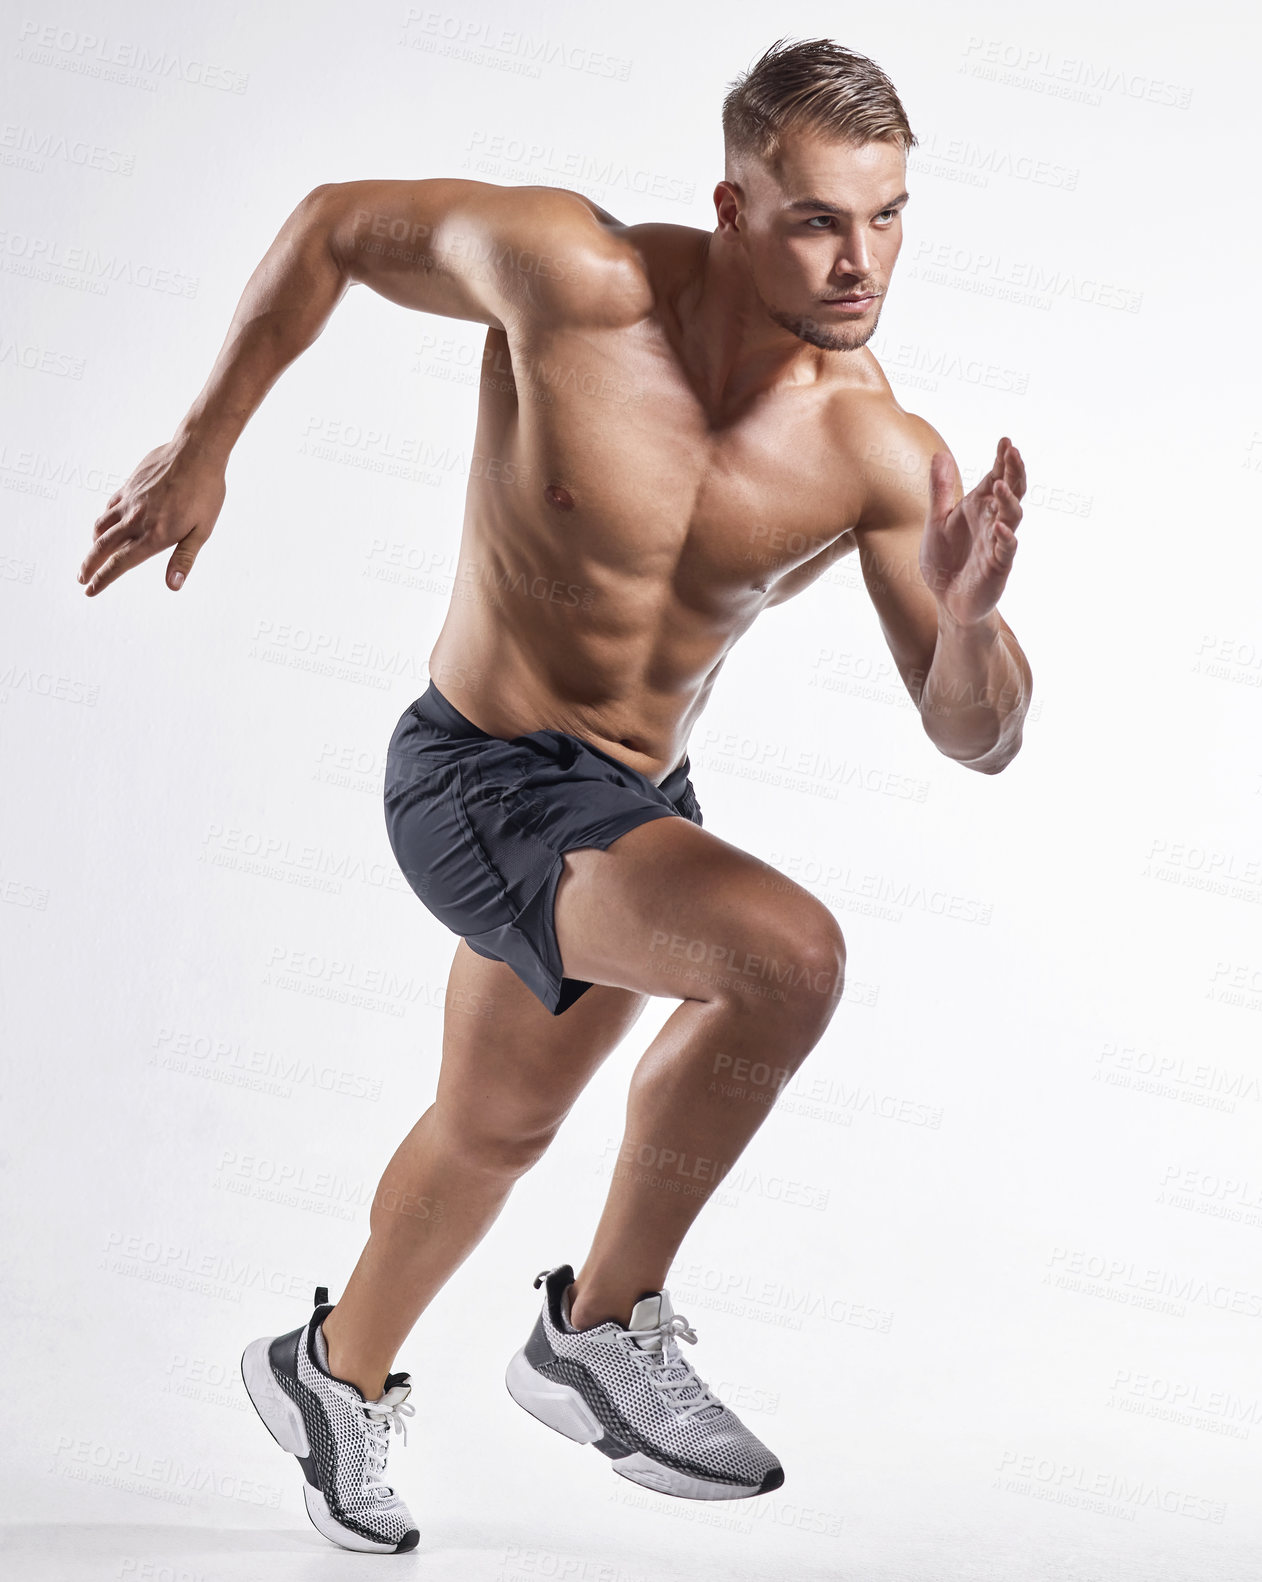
(935, 561)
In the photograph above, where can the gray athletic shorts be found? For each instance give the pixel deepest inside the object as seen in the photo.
(479, 825)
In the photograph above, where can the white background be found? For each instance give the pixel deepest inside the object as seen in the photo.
(1020, 1338)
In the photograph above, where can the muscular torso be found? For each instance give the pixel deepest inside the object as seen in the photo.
(620, 533)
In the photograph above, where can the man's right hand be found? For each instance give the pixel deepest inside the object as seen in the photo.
(172, 498)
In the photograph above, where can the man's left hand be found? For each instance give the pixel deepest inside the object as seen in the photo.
(966, 551)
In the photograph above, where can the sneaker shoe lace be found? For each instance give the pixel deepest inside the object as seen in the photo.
(380, 1419)
(667, 1370)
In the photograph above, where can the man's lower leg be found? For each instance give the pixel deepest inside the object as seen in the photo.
(698, 1095)
(435, 1202)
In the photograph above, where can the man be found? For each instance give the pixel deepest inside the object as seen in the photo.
(692, 431)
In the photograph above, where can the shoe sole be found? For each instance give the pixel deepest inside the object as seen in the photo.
(283, 1421)
(565, 1410)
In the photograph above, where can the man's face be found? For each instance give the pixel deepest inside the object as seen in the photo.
(823, 222)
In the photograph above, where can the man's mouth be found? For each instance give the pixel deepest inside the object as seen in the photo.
(855, 300)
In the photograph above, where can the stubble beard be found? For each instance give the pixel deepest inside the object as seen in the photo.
(828, 337)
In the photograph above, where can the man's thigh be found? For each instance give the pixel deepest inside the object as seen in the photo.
(672, 909)
(511, 1070)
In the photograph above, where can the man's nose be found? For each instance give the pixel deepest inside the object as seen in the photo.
(854, 256)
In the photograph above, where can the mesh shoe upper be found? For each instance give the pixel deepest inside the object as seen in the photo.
(348, 1435)
(646, 1395)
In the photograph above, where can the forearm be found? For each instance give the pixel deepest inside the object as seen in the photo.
(286, 303)
(976, 693)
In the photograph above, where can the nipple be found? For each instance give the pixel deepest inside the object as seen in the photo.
(554, 494)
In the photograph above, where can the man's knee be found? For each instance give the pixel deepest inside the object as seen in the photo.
(509, 1148)
(822, 948)
(797, 958)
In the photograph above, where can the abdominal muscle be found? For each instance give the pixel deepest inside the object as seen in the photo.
(523, 651)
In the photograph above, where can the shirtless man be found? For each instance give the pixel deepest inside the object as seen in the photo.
(693, 431)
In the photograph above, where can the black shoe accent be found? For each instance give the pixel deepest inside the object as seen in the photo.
(619, 1438)
(560, 1280)
(283, 1356)
(408, 1541)
(278, 1364)
(321, 1295)
(617, 1431)
(538, 1347)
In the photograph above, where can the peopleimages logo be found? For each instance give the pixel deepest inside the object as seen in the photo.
(977, 162)
(1070, 1478)
(486, 43)
(1122, 1279)
(137, 65)
(577, 165)
(1065, 76)
(86, 268)
(991, 274)
(31, 150)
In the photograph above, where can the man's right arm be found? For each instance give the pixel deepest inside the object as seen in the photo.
(471, 250)
(463, 249)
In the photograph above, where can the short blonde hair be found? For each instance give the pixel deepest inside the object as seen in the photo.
(815, 85)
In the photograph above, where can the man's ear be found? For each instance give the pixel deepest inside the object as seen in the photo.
(729, 204)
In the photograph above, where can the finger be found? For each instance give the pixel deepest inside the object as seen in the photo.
(1014, 471)
(181, 562)
(106, 520)
(1009, 504)
(127, 555)
(987, 481)
(110, 539)
(1001, 452)
(991, 518)
(984, 484)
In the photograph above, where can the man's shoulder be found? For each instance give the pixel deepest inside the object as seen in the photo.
(889, 446)
(566, 225)
(602, 270)
(863, 401)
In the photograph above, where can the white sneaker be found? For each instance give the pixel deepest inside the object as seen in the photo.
(340, 1438)
(627, 1390)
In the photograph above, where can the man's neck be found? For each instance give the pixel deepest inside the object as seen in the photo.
(731, 347)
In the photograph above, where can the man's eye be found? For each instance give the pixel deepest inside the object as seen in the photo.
(887, 214)
(827, 219)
